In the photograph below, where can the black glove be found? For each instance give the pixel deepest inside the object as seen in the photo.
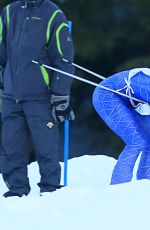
(1, 77)
(61, 108)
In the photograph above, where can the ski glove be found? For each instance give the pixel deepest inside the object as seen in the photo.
(61, 108)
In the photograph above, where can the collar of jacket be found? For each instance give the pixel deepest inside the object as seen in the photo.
(30, 3)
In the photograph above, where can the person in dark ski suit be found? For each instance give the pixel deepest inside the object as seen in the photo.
(35, 99)
(129, 119)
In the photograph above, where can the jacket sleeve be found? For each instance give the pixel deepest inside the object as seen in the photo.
(61, 46)
(3, 52)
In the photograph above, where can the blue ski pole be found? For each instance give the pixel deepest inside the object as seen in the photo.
(70, 26)
(66, 150)
(66, 137)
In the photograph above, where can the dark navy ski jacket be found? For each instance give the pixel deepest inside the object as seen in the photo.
(34, 32)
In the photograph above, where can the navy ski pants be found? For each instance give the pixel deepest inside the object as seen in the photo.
(19, 123)
(131, 127)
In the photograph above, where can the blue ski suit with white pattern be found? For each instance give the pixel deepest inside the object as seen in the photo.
(133, 128)
(32, 31)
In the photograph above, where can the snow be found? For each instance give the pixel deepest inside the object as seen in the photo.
(87, 203)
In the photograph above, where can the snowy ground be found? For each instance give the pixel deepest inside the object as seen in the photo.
(88, 203)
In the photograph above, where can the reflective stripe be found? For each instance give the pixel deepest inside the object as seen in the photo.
(49, 24)
(45, 75)
(8, 15)
(57, 37)
(1, 30)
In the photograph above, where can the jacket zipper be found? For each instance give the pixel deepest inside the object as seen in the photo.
(20, 44)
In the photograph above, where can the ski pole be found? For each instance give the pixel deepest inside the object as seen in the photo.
(86, 70)
(66, 136)
(89, 82)
(66, 150)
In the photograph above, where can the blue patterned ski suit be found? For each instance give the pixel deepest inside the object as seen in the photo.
(119, 114)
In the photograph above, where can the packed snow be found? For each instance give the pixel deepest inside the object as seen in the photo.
(87, 203)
